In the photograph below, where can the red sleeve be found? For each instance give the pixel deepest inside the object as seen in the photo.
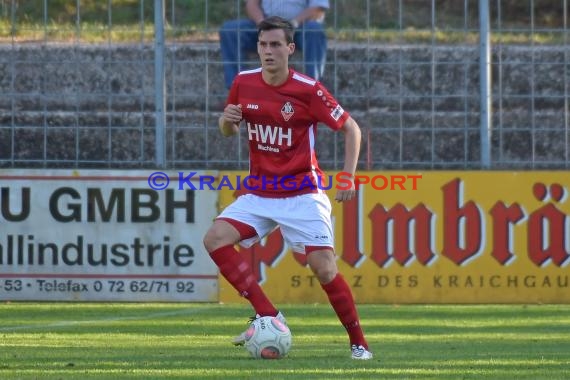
(325, 108)
(233, 94)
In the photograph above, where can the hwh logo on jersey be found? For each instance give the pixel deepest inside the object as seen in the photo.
(269, 134)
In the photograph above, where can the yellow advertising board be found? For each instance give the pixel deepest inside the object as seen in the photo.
(433, 237)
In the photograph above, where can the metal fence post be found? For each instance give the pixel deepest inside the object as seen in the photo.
(485, 82)
(159, 83)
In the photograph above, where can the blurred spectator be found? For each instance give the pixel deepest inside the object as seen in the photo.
(238, 37)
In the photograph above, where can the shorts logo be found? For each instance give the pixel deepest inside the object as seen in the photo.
(287, 111)
(337, 112)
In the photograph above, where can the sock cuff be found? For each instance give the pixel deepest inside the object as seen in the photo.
(225, 254)
(221, 250)
(334, 282)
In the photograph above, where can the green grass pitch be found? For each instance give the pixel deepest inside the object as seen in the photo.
(192, 341)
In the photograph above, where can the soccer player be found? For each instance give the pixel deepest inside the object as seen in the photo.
(280, 109)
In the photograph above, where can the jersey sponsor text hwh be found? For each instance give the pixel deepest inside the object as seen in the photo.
(269, 134)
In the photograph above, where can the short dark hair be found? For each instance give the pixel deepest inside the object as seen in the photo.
(276, 22)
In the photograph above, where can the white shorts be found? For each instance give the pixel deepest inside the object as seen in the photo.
(305, 220)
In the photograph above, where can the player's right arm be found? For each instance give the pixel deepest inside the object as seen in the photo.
(230, 119)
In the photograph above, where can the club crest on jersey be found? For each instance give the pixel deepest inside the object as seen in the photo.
(287, 111)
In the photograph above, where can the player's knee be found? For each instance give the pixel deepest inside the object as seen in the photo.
(219, 235)
(325, 273)
(213, 239)
(323, 265)
(208, 241)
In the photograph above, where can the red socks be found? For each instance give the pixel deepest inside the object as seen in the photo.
(340, 297)
(238, 273)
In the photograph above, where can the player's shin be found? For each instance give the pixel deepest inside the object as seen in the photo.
(238, 273)
(342, 301)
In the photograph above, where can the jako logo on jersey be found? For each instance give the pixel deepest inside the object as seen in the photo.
(269, 134)
(252, 106)
(287, 111)
(337, 112)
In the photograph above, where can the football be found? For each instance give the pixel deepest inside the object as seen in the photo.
(268, 338)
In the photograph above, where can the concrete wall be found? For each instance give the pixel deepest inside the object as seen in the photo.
(93, 105)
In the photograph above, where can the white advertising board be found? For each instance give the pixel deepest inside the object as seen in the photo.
(90, 235)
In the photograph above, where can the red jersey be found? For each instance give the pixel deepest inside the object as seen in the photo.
(281, 126)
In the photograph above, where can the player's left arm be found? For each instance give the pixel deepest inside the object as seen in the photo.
(352, 137)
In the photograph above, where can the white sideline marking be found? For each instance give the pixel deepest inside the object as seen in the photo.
(114, 319)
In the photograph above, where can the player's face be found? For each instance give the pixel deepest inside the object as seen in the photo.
(273, 50)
